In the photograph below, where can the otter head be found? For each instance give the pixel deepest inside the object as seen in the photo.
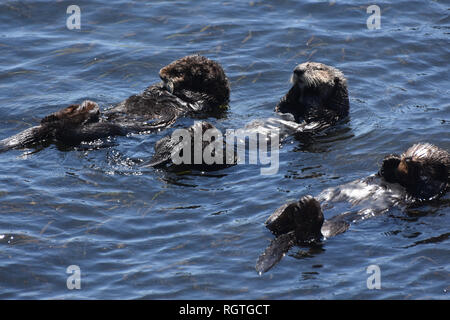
(314, 75)
(422, 170)
(197, 75)
(316, 88)
(304, 218)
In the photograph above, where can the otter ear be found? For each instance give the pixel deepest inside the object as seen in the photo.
(337, 80)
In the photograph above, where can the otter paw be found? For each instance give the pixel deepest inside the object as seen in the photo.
(291, 216)
(75, 114)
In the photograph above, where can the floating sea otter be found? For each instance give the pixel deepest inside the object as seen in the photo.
(318, 98)
(419, 174)
(190, 86)
(318, 94)
(213, 153)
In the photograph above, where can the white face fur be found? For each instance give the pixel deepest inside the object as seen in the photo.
(314, 74)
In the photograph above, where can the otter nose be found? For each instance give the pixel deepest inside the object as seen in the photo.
(299, 72)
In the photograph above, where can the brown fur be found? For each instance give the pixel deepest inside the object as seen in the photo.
(198, 74)
(75, 114)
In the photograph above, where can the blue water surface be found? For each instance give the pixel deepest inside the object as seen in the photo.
(143, 233)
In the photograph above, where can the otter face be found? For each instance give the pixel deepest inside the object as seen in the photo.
(196, 74)
(402, 170)
(315, 75)
(318, 93)
(422, 170)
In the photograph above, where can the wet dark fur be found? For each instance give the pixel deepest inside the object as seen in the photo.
(296, 223)
(167, 146)
(191, 85)
(304, 218)
(423, 170)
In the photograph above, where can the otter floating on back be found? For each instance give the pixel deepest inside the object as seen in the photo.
(421, 173)
(191, 85)
(169, 146)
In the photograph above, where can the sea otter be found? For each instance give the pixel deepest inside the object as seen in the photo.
(185, 144)
(421, 173)
(190, 86)
(318, 99)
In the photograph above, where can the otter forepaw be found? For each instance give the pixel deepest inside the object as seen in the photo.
(75, 114)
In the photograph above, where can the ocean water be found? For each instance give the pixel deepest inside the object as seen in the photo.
(138, 232)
